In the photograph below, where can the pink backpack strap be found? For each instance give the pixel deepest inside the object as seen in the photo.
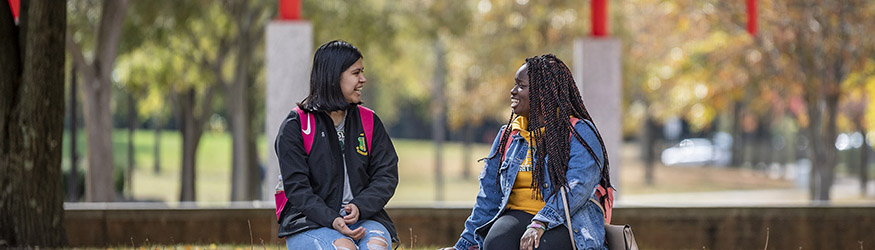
(367, 116)
(606, 197)
(308, 125)
(509, 140)
(281, 200)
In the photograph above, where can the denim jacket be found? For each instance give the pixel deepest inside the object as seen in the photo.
(587, 219)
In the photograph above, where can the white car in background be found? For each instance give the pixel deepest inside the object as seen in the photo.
(699, 152)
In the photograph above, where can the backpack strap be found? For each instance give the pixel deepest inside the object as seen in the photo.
(574, 121)
(509, 140)
(280, 199)
(367, 117)
(308, 124)
(605, 200)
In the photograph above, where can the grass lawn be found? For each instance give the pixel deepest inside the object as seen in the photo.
(416, 168)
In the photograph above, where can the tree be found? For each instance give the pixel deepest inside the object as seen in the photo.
(157, 45)
(227, 37)
(819, 39)
(854, 107)
(250, 19)
(189, 89)
(670, 69)
(808, 49)
(31, 125)
(96, 90)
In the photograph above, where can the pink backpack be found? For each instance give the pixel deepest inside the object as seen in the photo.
(604, 196)
(367, 118)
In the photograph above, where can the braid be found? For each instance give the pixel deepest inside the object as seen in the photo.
(553, 99)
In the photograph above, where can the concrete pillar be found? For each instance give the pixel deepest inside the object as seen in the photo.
(289, 55)
(597, 69)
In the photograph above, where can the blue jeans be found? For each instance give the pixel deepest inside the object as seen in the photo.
(323, 237)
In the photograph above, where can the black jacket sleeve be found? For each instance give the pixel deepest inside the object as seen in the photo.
(296, 174)
(383, 171)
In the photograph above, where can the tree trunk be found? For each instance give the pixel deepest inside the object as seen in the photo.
(737, 135)
(132, 120)
(823, 152)
(826, 56)
(828, 172)
(864, 165)
(240, 125)
(649, 149)
(816, 151)
(466, 150)
(246, 176)
(191, 117)
(255, 167)
(31, 125)
(765, 146)
(192, 130)
(73, 179)
(256, 173)
(245, 182)
(438, 114)
(98, 128)
(96, 101)
(157, 149)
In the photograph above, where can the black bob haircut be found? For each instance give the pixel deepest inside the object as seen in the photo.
(329, 63)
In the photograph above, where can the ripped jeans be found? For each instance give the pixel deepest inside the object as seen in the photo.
(323, 238)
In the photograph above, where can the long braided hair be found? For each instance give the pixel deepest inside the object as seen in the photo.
(553, 99)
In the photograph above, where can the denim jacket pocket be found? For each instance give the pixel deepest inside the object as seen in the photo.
(504, 165)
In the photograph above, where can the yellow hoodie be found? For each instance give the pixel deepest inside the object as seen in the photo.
(522, 196)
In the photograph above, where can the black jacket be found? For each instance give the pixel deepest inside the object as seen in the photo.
(314, 183)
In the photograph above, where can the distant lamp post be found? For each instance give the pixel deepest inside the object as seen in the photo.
(752, 17)
(15, 5)
(599, 10)
(290, 9)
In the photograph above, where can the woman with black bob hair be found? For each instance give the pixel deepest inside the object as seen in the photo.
(338, 165)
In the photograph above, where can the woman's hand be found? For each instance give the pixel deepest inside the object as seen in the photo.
(341, 227)
(532, 237)
(352, 214)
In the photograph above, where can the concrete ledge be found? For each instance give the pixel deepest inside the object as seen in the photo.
(796, 227)
(110, 224)
(787, 227)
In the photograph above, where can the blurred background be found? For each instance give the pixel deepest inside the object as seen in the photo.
(713, 111)
(723, 119)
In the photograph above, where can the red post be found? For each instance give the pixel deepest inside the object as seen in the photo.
(290, 9)
(752, 17)
(15, 5)
(599, 10)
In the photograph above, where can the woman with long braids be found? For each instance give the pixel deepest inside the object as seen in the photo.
(550, 142)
